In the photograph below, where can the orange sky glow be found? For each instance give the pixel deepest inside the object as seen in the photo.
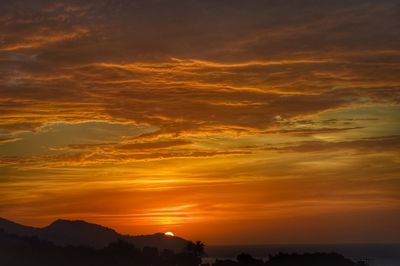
(226, 121)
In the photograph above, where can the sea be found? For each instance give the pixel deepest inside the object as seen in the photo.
(373, 254)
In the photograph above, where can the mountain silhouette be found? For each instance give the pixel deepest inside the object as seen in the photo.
(32, 251)
(81, 233)
(17, 229)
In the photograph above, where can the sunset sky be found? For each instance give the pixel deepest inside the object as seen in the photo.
(228, 121)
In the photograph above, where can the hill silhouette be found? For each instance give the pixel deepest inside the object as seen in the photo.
(17, 229)
(78, 243)
(31, 251)
(81, 233)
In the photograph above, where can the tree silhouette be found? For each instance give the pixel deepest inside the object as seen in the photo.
(32, 251)
(196, 251)
(246, 259)
(196, 248)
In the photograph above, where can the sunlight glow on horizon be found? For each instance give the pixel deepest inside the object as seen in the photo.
(169, 234)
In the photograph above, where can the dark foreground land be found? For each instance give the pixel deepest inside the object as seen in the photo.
(31, 251)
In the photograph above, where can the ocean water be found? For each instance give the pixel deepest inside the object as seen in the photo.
(375, 254)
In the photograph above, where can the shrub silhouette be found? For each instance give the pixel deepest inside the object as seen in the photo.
(246, 259)
(32, 251)
(307, 259)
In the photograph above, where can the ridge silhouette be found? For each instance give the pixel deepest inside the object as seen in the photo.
(32, 251)
(29, 246)
(81, 233)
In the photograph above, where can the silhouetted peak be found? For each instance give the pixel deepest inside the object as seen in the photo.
(160, 235)
(6, 221)
(15, 228)
(61, 224)
(163, 237)
(81, 233)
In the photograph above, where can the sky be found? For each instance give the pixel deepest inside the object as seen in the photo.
(232, 122)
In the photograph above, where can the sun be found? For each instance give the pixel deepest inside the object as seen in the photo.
(169, 234)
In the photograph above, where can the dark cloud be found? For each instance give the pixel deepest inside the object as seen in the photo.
(369, 145)
(68, 53)
(214, 30)
(153, 145)
(310, 131)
